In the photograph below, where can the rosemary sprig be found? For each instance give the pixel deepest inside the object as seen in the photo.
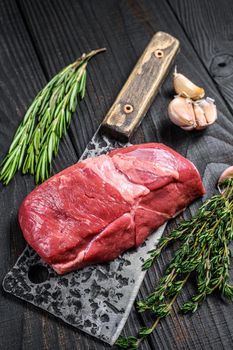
(37, 138)
(203, 252)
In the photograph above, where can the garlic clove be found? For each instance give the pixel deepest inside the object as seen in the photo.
(186, 88)
(226, 174)
(209, 109)
(180, 111)
(200, 117)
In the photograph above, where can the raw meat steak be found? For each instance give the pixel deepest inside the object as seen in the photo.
(94, 210)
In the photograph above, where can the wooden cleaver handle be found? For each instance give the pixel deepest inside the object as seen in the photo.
(137, 94)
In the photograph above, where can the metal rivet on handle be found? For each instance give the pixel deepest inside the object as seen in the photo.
(158, 53)
(128, 108)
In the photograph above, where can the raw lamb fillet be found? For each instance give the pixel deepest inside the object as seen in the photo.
(96, 209)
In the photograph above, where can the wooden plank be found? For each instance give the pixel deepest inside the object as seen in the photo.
(20, 79)
(209, 27)
(59, 29)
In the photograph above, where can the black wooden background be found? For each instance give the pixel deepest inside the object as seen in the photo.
(38, 38)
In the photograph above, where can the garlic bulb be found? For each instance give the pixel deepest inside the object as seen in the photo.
(191, 115)
(228, 172)
(184, 87)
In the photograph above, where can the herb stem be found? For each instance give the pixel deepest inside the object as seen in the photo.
(203, 252)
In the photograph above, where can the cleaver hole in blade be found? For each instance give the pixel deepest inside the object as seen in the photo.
(38, 273)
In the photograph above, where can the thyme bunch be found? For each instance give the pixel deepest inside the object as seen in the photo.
(203, 252)
(37, 138)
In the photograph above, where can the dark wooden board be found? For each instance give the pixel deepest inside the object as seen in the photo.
(37, 39)
(21, 77)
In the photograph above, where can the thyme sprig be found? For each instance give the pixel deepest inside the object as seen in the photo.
(203, 252)
(37, 138)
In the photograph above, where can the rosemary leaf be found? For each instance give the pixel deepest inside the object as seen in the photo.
(46, 121)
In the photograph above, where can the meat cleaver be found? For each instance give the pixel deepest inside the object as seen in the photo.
(98, 298)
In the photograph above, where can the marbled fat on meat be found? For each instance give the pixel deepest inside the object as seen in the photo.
(96, 209)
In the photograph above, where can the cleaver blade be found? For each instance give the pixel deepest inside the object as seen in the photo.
(97, 299)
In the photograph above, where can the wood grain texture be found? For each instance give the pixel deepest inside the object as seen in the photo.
(20, 79)
(37, 39)
(141, 87)
(209, 27)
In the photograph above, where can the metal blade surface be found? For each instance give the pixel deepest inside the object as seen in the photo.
(96, 299)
